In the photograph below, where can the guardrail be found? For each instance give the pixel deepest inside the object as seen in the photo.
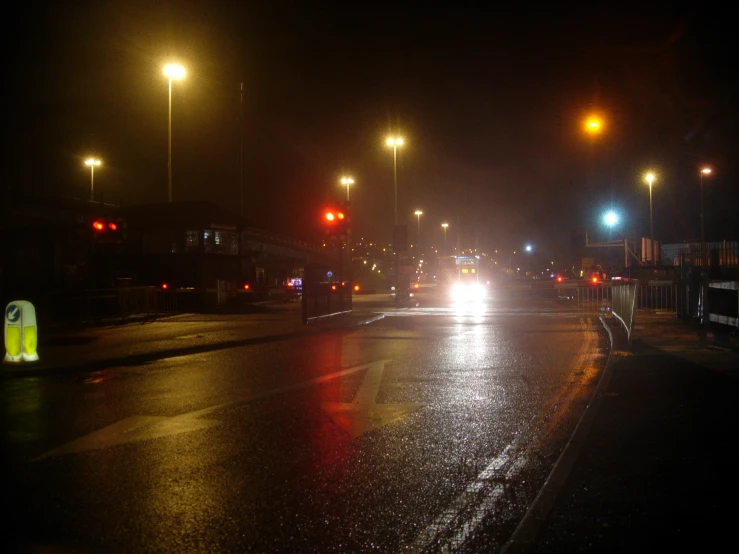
(322, 300)
(723, 302)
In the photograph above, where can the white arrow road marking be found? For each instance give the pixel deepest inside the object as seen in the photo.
(139, 428)
(363, 414)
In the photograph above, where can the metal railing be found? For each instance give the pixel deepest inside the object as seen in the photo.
(623, 305)
(96, 304)
(587, 298)
(322, 300)
(145, 301)
(659, 296)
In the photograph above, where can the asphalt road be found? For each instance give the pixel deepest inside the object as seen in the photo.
(430, 429)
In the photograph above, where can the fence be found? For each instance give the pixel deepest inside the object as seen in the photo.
(659, 295)
(711, 254)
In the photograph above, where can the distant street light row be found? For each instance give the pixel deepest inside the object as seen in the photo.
(593, 125)
(172, 72)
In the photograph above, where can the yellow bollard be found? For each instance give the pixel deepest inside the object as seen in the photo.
(21, 334)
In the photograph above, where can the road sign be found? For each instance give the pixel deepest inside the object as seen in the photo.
(13, 313)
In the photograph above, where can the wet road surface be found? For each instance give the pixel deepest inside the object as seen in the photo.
(428, 430)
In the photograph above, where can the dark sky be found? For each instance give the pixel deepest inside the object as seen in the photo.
(489, 99)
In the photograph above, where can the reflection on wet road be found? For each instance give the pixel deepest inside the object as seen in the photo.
(430, 429)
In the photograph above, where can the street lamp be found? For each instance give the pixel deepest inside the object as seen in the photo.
(704, 171)
(92, 162)
(172, 71)
(649, 177)
(593, 125)
(529, 248)
(418, 213)
(346, 181)
(395, 142)
(444, 226)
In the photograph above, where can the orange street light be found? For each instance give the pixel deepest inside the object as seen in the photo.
(92, 162)
(171, 71)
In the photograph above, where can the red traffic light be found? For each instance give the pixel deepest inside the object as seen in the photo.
(356, 288)
(112, 226)
(594, 279)
(98, 225)
(246, 286)
(559, 278)
(165, 286)
(333, 287)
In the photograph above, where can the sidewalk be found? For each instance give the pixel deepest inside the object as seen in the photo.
(93, 348)
(656, 471)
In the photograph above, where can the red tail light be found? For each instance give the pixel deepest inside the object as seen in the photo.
(356, 288)
(165, 286)
(246, 287)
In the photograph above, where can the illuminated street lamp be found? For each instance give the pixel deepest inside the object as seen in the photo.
(704, 171)
(92, 162)
(529, 248)
(346, 181)
(395, 142)
(418, 213)
(172, 71)
(593, 125)
(649, 177)
(444, 226)
(610, 218)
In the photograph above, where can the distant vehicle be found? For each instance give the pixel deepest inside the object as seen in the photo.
(467, 287)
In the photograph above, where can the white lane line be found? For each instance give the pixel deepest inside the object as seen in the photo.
(471, 495)
(503, 469)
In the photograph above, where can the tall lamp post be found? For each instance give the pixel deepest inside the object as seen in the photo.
(92, 162)
(704, 171)
(172, 71)
(444, 226)
(395, 142)
(418, 213)
(347, 181)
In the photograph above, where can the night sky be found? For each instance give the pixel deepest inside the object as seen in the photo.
(489, 100)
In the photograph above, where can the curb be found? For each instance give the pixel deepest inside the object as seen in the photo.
(524, 537)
